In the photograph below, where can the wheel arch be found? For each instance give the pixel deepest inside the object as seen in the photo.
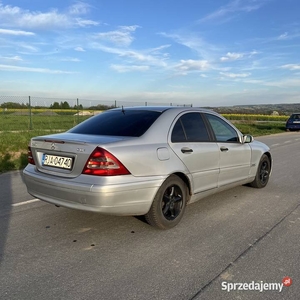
(186, 180)
(270, 158)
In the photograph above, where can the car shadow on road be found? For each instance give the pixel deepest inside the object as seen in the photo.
(6, 197)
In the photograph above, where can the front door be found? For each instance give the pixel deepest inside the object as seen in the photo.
(235, 157)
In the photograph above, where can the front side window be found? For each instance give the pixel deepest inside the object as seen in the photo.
(190, 128)
(222, 130)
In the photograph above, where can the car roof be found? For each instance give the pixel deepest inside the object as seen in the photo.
(163, 108)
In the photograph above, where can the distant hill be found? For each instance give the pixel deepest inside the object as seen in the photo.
(265, 109)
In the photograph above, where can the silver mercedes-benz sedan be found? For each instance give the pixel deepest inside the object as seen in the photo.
(150, 161)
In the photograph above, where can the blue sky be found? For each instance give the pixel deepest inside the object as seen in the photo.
(209, 53)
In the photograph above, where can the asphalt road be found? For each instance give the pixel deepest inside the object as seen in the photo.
(243, 235)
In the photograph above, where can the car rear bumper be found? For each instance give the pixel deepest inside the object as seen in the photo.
(292, 126)
(133, 197)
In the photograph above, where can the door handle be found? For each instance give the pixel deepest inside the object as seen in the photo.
(224, 149)
(186, 150)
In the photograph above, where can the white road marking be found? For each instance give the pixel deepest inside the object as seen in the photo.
(275, 145)
(25, 202)
(287, 142)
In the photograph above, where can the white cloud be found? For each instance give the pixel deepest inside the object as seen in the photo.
(235, 6)
(129, 28)
(252, 53)
(71, 59)
(235, 75)
(28, 47)
(150, 57)
(144, 57)
(193, 42)
(16, 32)
(79, 49)
(79, 8)
(121, 37)
(86, 23)
(157, 50)
(190, 65)
(35, 70)
(285, 83)
(283, 36)
(14, 16)
(291, 67)
(253, 81)
(232, 56)
(124, 68)
(11, 58)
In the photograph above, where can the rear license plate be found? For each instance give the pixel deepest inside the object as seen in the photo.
(57, 161)
(296, 122)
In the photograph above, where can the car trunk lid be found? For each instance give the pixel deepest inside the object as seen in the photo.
(66, 154)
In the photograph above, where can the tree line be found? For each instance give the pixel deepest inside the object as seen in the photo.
(55, 105)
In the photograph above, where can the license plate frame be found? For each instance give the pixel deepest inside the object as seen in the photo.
(57, 161)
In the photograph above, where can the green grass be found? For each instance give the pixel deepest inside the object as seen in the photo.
(258, 129)
(13, 148)
(250, 117)
(18, 141)
(17, 128)
(21, 122)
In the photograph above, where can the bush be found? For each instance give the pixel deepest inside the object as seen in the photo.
(6, 164)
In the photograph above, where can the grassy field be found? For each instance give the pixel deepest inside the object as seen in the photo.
(249, 117)
(19, 119)
(40, 122)
(258, 129)
(15, 134)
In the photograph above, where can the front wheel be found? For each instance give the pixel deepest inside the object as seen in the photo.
(169, 204)
(263, 173)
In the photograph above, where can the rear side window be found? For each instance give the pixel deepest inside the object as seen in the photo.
(190, 128)
(117, 123)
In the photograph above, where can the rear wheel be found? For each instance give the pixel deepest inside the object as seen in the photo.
(169, 204)
(263, 173)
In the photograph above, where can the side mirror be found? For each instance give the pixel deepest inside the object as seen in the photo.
(247, 138)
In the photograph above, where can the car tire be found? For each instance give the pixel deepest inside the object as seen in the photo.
(169, 204)
(263, 173)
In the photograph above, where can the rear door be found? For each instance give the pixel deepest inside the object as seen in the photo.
(235, 157)
(192, 143)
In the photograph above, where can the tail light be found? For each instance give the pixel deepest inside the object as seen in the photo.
(103, 163)
(30, 156)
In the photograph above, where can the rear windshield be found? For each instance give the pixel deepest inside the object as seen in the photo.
(295, 117)
(117, 123)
